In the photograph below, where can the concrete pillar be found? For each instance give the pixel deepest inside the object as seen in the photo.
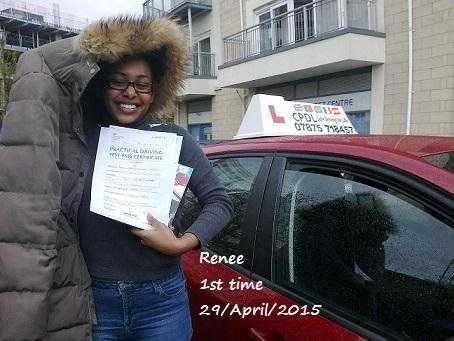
(190, 28)
(377, 99)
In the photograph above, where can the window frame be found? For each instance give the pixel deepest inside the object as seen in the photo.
(269, 9)
(249, 224)
(437, 200)
(197, 49)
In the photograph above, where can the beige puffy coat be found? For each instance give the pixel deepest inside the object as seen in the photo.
(44, 284)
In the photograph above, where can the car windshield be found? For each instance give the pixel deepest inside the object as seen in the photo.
(442, 160)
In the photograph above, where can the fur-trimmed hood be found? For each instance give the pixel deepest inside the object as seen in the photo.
(109, 40)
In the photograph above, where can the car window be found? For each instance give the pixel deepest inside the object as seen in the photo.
(366, 250)
(442, 160)
(237, 175)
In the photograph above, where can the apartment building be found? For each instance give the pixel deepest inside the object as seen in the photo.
(353, 53)
(25, 26)
(195, 108)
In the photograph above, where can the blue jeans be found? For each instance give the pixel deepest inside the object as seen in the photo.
(152, 310)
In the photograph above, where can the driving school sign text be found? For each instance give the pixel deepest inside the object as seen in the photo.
(273, 116)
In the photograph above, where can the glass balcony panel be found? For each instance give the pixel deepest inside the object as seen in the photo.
(327, 16)
(361, 14)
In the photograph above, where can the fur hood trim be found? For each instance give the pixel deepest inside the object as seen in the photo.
(109, 40)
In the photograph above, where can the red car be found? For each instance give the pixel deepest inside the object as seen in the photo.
(334, 238)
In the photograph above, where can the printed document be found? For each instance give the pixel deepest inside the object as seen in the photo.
(134, 175)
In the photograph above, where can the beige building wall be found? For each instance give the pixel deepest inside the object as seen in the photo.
(228, 104)
(202, 25)
(230, 17)
(228, 112)
(181, 118)
(433, 61)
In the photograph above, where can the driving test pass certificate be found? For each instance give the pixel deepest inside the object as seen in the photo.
(134, 175)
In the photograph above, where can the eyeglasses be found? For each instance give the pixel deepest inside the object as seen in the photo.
(139, 87)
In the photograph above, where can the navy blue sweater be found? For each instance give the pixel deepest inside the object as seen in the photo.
(112, 252)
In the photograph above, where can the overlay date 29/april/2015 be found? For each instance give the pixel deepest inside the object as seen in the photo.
(264, 309)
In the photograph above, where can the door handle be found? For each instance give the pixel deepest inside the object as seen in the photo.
(257, 335)
(260, 335)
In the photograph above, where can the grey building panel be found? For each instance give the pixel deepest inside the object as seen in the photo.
(286, 91)
(199, 106)
(332, 84)
(306, 89)
(346, 83)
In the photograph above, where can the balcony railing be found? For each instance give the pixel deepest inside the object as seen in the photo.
(153, 13)
(203, 65)
(41, 14)
(309, 21)
(158, 8)
(15, 39)
(176, 3)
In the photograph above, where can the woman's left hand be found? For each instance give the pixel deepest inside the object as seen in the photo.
(161, 238)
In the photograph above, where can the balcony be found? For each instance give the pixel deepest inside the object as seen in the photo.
(27, 26)
(203, 65)
(158, 8)
(180, 7)
(202, 79)
(38, 18)
(317, 38)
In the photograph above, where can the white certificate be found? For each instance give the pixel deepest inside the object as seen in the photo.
(134, 175)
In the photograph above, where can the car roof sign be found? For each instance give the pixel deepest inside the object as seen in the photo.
(273, 116)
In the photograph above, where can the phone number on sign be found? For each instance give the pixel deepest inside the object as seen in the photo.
(264, 309)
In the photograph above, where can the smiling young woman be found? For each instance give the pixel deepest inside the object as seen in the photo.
(141, 266)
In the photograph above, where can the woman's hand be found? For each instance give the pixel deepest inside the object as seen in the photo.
(161, 238)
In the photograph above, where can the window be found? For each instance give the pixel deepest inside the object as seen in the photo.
(202, 58)
(201, 132)
(274, 27)
(199, 121)
(366, 250)
(442, 160)
(304, 19)
(265, 31)
(360, 121)
(280, 26)
(238, 176)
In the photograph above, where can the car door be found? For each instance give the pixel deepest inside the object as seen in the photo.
(232, 298)
(215, 308)
(370, 244)
(285, 317)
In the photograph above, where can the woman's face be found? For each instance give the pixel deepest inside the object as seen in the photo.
(128, 105)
